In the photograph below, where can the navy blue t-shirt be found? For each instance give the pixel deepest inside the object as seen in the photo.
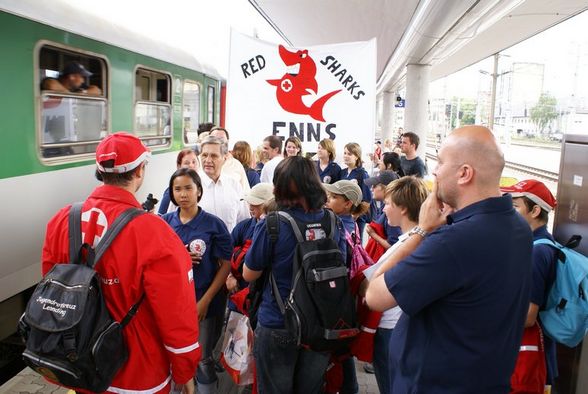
(260, 257)
(392, 232)
(465, 295)
(544, 268)
(252, 176)
(164, 203)
(359, 174)
(219, 245)
(376, 210)
(414, 167)
(330, 174)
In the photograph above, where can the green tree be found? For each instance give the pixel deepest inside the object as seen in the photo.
(544, 112)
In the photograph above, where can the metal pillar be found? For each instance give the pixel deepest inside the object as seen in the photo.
(387, 116)
(416, 114)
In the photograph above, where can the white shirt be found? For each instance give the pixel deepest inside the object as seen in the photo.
(267, 172)
(223, 199)
(389, 317)
(234, 169)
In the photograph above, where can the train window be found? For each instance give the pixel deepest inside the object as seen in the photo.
(211, 93)
(191, 111)
(152, 107)
(73, 102)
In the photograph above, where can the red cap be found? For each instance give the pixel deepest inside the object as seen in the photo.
(535, 191)
(125, 149)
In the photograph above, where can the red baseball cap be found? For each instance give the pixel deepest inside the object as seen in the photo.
(126, 151)
(535, 191)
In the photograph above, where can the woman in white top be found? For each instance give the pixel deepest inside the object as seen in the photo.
(403, 199)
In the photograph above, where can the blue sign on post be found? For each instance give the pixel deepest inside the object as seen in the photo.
(399, 104)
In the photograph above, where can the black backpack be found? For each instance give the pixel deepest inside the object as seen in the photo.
(320, 309)
(69, 334)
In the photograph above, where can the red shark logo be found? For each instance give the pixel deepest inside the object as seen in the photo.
(299, 81)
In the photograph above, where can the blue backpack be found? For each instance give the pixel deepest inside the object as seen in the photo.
(565, 318)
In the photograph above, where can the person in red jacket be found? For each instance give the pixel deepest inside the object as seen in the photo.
(146, 258)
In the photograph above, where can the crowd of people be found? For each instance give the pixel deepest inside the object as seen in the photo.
(451, 264)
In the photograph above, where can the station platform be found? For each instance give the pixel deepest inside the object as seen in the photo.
(28, 382)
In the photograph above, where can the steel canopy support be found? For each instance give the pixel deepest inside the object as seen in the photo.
(416, 118)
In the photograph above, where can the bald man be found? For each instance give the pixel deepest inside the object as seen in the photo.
(462, 278)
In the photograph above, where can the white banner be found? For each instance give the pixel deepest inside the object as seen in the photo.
(312, 93)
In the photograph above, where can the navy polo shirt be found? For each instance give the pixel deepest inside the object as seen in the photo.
(243, 231)
(219, 245)
(260, 257)
(359, 174)
(544, 268)
(465, 294)
(330, 174)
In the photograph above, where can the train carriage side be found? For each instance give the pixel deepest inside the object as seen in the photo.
(48, 138)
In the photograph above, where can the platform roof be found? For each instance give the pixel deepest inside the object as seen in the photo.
(447, 34)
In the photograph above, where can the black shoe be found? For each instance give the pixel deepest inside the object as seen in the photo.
(368, 368)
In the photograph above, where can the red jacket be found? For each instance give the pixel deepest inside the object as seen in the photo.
(146, 257)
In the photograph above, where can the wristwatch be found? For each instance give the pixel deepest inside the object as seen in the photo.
(419, 231)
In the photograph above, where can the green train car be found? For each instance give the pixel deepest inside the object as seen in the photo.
(48, 138)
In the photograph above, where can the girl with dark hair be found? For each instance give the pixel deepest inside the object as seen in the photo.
(355, 172)
(328, 170)
(210, 245)
(391, 162)
(187, 158)
(282, 366)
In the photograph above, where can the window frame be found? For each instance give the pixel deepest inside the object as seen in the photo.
(214, 91)
(170, 104)
(38, 98)
(200, 89)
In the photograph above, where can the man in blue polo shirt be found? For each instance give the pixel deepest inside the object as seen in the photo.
(462, 277)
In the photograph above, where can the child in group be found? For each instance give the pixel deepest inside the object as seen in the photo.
(378, 229)
(356, 172)
(242, 234)
(403, 200)
(187, 158)
(328, 170)
(345, 200)
(209, 243)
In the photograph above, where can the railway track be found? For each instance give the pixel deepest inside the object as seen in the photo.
(536, 172)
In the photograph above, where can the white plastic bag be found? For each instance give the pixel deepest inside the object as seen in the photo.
(237, 350)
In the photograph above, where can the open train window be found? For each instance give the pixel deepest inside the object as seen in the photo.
(191, 111)
(73, 101)
(211, 93)
(153, 107)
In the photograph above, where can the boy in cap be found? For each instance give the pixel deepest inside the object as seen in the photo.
(379, 230)
(71, 79)
(147, 258)
(533, 201)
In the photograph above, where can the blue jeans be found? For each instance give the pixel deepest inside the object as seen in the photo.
(382, 364)
(282, 367)
(349, 385)
(208, 335)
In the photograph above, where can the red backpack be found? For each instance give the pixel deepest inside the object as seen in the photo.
(238, 259)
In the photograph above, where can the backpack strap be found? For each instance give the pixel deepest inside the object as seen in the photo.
(121, 221)
(561, 256)
(75, 232)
